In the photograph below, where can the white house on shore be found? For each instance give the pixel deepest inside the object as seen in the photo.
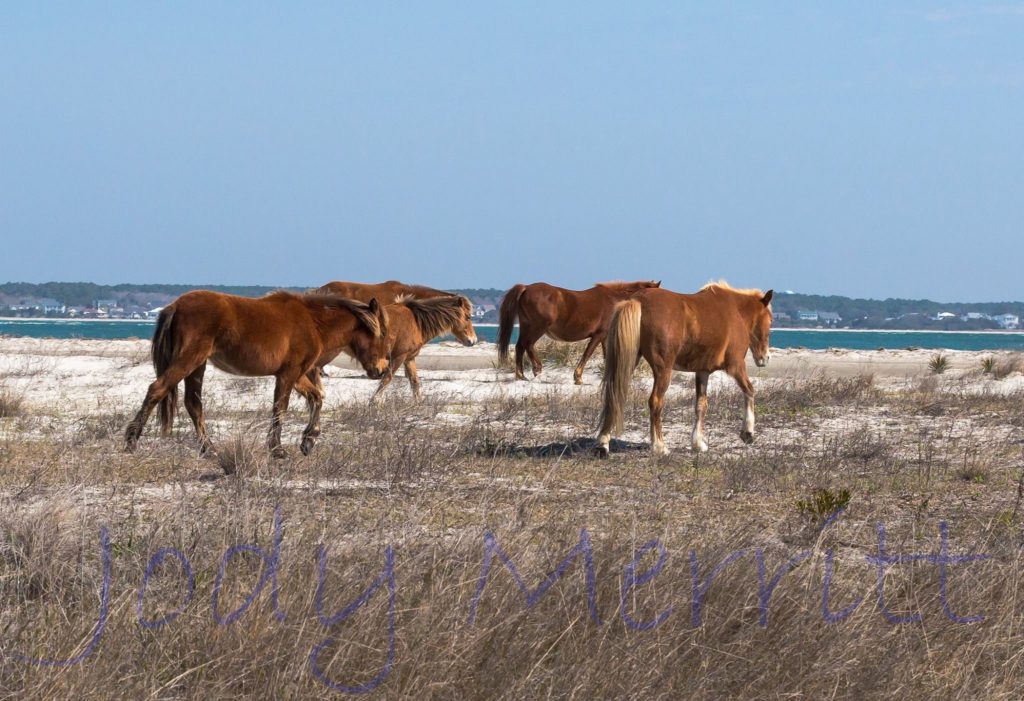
(154, 313)
(1007, 321)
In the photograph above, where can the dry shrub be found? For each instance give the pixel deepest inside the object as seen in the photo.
(242, 454)
(11, 402)
(559, 353)
(794, 395)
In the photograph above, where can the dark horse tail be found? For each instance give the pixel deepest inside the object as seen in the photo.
(507, 316)
(163, 355)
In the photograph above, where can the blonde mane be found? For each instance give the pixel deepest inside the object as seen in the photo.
(436, 315)
(723, 285)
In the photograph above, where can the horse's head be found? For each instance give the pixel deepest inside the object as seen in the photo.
(463, 328)
(761, 329)
(370, 342)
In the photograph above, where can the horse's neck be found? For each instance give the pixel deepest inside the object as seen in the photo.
(336, 326)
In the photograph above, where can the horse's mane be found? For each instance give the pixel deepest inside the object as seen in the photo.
(723, 285)
(360, 310)
(620, 285)
(436, 315)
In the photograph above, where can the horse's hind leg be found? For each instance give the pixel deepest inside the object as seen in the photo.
(314, 396)
(159, 389)
(520, 351)
(700, 409)
(747, 432)
(662, 379)
(194, 406)
(577, 375)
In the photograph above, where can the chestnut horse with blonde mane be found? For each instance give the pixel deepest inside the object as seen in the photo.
(384, 292)
(284, 334)
(699, 333)
(412, 323)
(561, 314)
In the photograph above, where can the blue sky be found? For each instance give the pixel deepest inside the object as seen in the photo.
(868, 149)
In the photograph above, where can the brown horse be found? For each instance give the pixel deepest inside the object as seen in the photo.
(284, 334)
(414, 322)
(384, 292)
(700, 333)
(561, 314)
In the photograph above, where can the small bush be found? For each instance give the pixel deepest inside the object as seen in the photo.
(938, 364)
(822, 503)
(559, 353)
(11, 403)
(988, 365)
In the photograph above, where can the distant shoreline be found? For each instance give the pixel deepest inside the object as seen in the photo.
(1008, 332)
(1011, 332)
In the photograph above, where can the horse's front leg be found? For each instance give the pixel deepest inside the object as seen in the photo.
(385, 380)
(747, 432)
(662, 379)
(282, 391)
(413, 377)
(577, 375)
(700, 410)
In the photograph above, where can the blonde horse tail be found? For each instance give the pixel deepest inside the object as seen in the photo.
(621, 348)
(507, 319)
(163, 355)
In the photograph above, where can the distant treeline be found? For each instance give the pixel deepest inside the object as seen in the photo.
(854, 313)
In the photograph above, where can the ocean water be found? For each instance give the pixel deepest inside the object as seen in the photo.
(781, 338)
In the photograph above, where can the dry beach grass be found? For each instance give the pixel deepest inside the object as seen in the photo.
(483, 454)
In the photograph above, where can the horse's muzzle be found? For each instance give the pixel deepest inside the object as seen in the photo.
(762, 362)
(469, 342)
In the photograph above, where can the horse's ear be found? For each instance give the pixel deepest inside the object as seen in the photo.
(767, 299)
(658, 283)
(373, 305)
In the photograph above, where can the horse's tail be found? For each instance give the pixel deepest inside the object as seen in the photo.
(507, 316)
(621, 348)
(163, 354)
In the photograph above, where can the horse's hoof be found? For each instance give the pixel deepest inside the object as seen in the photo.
(700, 446)
(603, 451)
(278, 452)
(307, 446)
(578, 380)
(659, 451)
(747, 437)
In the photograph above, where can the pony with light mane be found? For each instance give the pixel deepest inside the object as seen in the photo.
(699, 333)
(560, 314)
(287, 335)
(414, 322)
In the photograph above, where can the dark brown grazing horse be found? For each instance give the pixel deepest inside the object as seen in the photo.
(700, 333)
(414, 322)
(561, 314)
(284, 334)
(384, 292)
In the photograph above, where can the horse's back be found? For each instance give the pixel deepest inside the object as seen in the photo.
(387, 292)
(702, 330)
